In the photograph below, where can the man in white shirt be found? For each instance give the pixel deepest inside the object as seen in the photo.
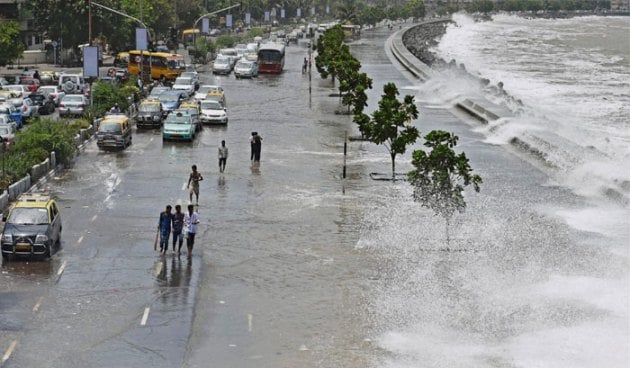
(223, 155)
(191, 219)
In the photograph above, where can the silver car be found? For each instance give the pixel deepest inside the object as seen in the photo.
(246, 69)
(55, 93)
(222, 65)
(73, 105)
(7, 131)
(26, 106)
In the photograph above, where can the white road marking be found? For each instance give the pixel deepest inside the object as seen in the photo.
(250, 319)
(63, 266)
(80, 239)
(145, 316)
(38, 304)
(158, 268)
(94, 218)
(9, 351)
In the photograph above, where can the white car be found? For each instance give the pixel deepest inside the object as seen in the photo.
(55, 93)
(213, 112)
(184, 84)
(72, 84)
(192, 75)
(20, 90)
(26, 106)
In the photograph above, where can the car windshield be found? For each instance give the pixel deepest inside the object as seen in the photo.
(109, 128)
(158, 90)
(178, 119)
(167, 97)
(244, 64)
(183, 81)
(73, 99)
(47, 89)
(188, 75)
(28, 216)
(150, 107)
(222, 61)
(37, 98)
(206, 89)
(211, 105)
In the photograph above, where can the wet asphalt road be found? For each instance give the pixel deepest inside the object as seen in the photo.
(289, 269)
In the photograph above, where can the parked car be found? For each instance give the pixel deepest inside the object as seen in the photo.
(114, 132)
(72, 84)
(7, 95)
(19, 89)
(246, 69)
(213, 112)
(7, 130)
(47, 78)
(73, 105)
(7, 108)
(150, 114)
(170, 100)
(45, 104)
(31, 83)
(54, 92)
(32, 227)
(178, 126)
(184, 84)
(222, 65)
(26, 107)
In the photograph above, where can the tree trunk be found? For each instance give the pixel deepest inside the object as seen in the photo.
(393, 166)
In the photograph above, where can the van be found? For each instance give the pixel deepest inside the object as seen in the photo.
(114, 132)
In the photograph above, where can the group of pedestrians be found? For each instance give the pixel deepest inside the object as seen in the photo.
(184, 225)
(181, 225)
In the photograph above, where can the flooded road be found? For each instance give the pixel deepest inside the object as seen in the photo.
(293, 266)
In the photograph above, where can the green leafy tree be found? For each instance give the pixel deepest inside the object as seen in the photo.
(390, 125)
(11, 48)
(416, 9)
(440, 175)
(355, 96)
(329, 47)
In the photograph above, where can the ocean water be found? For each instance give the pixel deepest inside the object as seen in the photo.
(537, 272)
(568, 82)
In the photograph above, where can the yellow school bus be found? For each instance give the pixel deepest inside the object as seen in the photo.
(160, 65)
(189, 36)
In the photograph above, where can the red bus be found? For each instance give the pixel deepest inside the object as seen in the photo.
(271, 58)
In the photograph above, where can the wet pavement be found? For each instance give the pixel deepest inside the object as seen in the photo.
(293, 266)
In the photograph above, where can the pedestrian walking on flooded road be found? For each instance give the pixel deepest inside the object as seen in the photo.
(178, 226)
(191, 219)
(223, 155)
(257, 146)
(193, 183)
(165, 227)
(251, 143)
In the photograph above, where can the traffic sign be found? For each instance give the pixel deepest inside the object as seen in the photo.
(54, 44)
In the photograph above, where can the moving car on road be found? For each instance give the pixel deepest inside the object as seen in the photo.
(114, 132)
(150, 114)
(171, 100)
(222, 65)
(184, 84)
(178, 126)
(213, 112)
(246, 69)
(32, 227)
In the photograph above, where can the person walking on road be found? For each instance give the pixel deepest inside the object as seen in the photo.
(178, 226)
(193, 183)
(223, 155)
(191, 219)
(165, 227)
(251, 143)
(257, 146)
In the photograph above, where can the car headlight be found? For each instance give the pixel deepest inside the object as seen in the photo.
(41, 238)
(7, 238)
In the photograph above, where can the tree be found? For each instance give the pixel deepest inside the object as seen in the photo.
(329, 47)
(11, 48)
(440, 175)
(416, 9)
(355, 96)
(390, 124)
(347, 12)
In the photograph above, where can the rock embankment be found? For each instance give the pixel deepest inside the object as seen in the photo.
(420, 39)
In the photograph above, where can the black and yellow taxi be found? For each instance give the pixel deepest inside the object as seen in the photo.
(150, 114)
(114, 132)
(31, 227)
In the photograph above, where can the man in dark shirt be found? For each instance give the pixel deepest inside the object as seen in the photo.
(164, 227)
